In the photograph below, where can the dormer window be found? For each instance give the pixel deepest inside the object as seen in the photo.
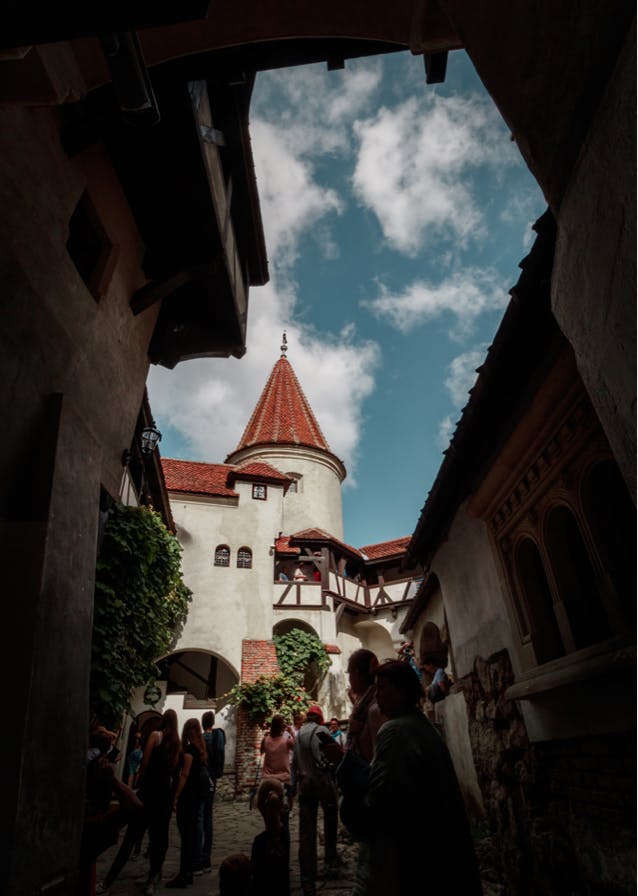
(260, 492)
(222, 555)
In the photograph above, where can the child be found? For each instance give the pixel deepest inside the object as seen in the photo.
(270, 855)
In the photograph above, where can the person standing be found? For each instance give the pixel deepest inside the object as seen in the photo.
(315, 787)
(188, 799)
(352, 764)
(277, 746)
(336, 733)
(159, 773)
(440, 684)
(133, 760)
(366, 717)
(413, 804)
(215, 741)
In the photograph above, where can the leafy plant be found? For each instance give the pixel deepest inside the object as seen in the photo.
(302, 654)
(269, 695)
(140, 601)
(302, 660)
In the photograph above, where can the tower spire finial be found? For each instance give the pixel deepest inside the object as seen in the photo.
(284, 345)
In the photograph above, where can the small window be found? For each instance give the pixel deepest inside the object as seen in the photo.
(222, 555)
(90, 248)
(245, 558)
(296, 484)
(260, 492)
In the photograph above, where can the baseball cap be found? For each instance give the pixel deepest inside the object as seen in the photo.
(314, 710)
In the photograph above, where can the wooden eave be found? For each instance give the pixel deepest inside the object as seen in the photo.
(176, 189)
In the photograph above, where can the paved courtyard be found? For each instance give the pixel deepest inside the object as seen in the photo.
(235, 826)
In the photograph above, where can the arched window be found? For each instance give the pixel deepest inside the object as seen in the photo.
(575, 579)
(611, 517)
(535, 590)
(222, 555)
(244, 558)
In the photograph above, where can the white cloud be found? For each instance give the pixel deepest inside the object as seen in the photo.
(464, 294)
(291, 201)
(315, 107)
(460, 378)
(445, 431)
(462, 374)
(415, 166)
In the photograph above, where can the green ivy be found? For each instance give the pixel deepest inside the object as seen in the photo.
(140, 601)
(297, 651)
(266, 696)
(303, 661)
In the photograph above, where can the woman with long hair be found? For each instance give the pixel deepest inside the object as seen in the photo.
(159, 772)
(188, 799)
(366, 717)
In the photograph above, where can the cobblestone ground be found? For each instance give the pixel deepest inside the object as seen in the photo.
(235, 826)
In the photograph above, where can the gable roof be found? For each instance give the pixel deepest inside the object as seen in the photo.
(195, 477)
(283, 415)
(320, 535)
(386, 549)
(258, 471)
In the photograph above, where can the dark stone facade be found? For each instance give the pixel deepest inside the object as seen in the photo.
(561, 813)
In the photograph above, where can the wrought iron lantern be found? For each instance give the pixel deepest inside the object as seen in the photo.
(149, 439)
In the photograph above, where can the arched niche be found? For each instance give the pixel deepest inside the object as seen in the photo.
(539, 605)
(575, 579)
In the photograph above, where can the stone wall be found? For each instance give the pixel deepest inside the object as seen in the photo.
(561, 814)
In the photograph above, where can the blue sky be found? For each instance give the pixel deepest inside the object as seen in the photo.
(396, 214)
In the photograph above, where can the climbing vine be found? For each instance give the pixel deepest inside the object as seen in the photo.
(302, 660)
(140, 601)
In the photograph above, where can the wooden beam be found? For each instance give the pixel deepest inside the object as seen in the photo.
(157, 290)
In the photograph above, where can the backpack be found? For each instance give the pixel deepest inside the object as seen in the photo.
(205, 784)
(216, 750)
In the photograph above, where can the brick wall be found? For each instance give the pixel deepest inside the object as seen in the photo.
(257, 658)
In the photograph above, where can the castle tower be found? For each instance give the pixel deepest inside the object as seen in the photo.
(284, 432)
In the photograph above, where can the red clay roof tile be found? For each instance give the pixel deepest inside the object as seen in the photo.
(258, 470)
(196, 477)
(282, 414)
(386, 548)
(215, 479)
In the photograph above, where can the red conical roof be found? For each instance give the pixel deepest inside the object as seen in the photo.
(283, 415)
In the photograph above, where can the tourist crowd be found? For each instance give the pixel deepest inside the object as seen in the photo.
(385, 773)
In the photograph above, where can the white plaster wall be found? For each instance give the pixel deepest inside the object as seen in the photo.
(473, 593)
(229, 604)
(318, 503)
(451, 713)
(322, 622)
